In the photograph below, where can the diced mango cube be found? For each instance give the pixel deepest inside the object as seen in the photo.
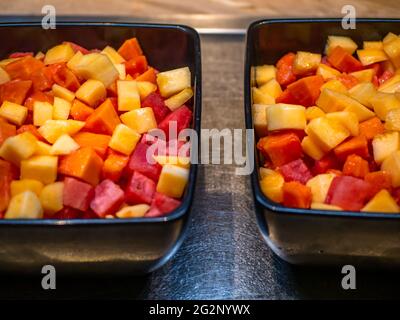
(91, 92)
(348, 119)
(382, 202)
(64, 145)
(306, 62)
(113, 55)
(264, 73)
(320, 185)
(53, 129)
(272, 88)
(61, 109)
(173, 180)
(124, 139)
(260, 97)
(286, 116)
(62, 92)
(384, 145)
(363, 93)
(41, 168)
(271, 185)
(136, 211)
(173, 81)
(42, 111)
(370, 56)
(311, 148)
(392, 166)
(51, 197)
(179, 99)
(42, 149)
(59, 54)
(383, 103)
(141, 120)
(339, 41)
(20, 186)
(13, 112)
(25, 205)
(128, 95)
(19, 147)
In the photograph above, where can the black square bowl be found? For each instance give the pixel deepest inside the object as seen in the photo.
(117, 246)
(317, 237)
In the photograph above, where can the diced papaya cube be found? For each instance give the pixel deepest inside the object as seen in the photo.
(149, 75)
(295, 170)
(91, 92)
(357, 145)
(140, 189)
(139, 162)
(130, 49)
(343, 61)
(113, 166)
(286, 116)
(108, 198)
(77, 194)
(6, 130)
(42, 111)
(42, 79)
(136, 66)
(99, 142)
(271, 185)
(25, 205)
(379, 180)
(124, 139)
(141, 120)
(173, 180)
(355, 166)
(104, 119)
(136, 211)
(84, 164)
(66, 78)
(51, 198)
(23, 68)
(382, 202)
(284, 72)
(61, 109)
(162, 205)
(306, 90)
(296, 195)
(173, 81)
(348, 80)
(41, 168)
(13, 112)
(19, 147)
(80, 111)
(15, 91)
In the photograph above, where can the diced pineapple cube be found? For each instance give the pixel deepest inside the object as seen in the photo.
(286, 116)
(53, 129)
(20, 186)
(42, 111)
(272, 185)
(179, 99)
(311, 148)
(124, 139)
(348, 119)
(324, 206)
(384, 145)
(51, 197)
(389, 37)
(141, 120)
(173, 81)
(392, 49)
(391, 85)
(327, 133)
(146, 87)
(59, 54)
(179, 161)
(392, 166)
(173, 180)
(363, 93)
(114, 56)
(42, 149)
(264, 73)
(61, 109)
(261, 98)
(382, 202)
(272, 88)
(25, 205)
(306, 62)
(362, 113)
(63, 93)
(64, 145)
(4, 77)
(41, 168)
(13, 112)
(319, 186)
(338, 41)
(121, 71)
(383, 103)
(376, 45)
(313, 113)
(128, 95)
(364, 75)
(136, 211)
(327, 72)
(91, 92)
(370, 56)
(19, 147)
(74, 61)
(260, 119)
(393, 120)
(334, 85)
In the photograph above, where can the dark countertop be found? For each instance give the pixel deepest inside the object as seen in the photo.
(223, 255)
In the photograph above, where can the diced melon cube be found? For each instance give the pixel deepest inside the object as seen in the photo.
(20, 186)
(272, 88)
(334, 85)
(264, 73)
(363, 93)
(370, 56)
(4, 77)
(63, 93)
(313, 113)
(306, 62)
(179, 99)
(260, 97)
(348, 119)
(42, 111)
(272, 185)
(145, 88)
(364, 75)
(311, 148)
(124, 139)
(121, 71)
(327, 72)
(320, 185)
(19, 147)
(324, 206)
(13, 112)
(42, 149)
(183, 162)
(377, 45)
(173, 81)
(383, 103)
(382, 202)
(392, 166)
(338, 41)
(25, 205)
(173, 180)
(51, 197)
(286, 116)
(64, 145)
(59, 54)
(141, 120)
(91, 92)
(384, 145)
(392, 49)
(41, 168)
(128, 95)
(260, 119)
(114, 56)
(136, 211)
(53, 129)
(74, 61)
(61, 109)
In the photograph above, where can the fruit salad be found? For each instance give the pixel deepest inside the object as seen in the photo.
(328, 126)
(75, 134)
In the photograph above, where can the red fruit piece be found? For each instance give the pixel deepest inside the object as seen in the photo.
(15, 91)
(306, 90)
(162, 205)
(284, 73)
(77, 194)
(181, 117)
(156, 102)
(65, 213)
(23, 68)
(138, 162)
(140, 189)
(296, 171)
(323, 165)
(379, 180)
(340, 59)
(108, 198)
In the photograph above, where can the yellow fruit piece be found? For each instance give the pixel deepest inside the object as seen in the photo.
(53, 129)
(136, 211)
(327, 72)
(389, 37)
(124, 139)
(141, 120)
(264, 73)
(363, 93)
(348, 119)
(42, 111)
(319, 186)
(384, 145)
(382, 202)
(20, 186)
(64, 145)
(96, 66)
(40, 55)
(362, 113)
(179, 99)
(324, 206)
(392, 49)
(338, 41)
(183, 162)
(51, 197)
(286, 116)
(41, 168)
(128, 95)
(393, 120)
(25, 205)
(376, 45)
(13, 112)
(272, 88)
(261, 98)
(313, 113)
(306, 62)
(114, 56)
(260, 119)
(392, 166)
(264, 172)
(390, 86)
(364, 75)
(311, 148)
(74, 61)
(327, 133)
(271, 185)
(4, 77)
(91, 92)
(335, 85)
(5, 62)
(370, 56)
(383, 103)
(173, 180)
(42, 149)
(146, 87)
(61, 109)
(173, 81)
(62, 92)
(59, 54)
(121, 71)
(19, 147)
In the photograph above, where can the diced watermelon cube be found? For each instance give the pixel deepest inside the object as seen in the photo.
(108, 198)
(156, 102)
(66, 213)
(162, 205)
(323, 165)
(296, 171)
(140, 189)
(138, 162)
(181, 116)
(77, 194)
